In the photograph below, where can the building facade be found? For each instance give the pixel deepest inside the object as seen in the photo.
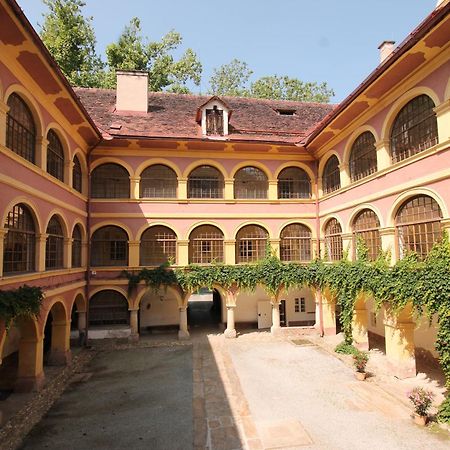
(94, 182)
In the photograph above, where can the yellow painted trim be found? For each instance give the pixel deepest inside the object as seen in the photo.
(110, 287)
(324, 160)
(77, 294)
(112, 160)
(63, 138)
(60, 215)
(1, 91)
(300, 165)
(204, 222)
(83, 229)
(24, 278)
(325, 221)
(206, 216)
(145, 227)
(112, 222)
(360, 208)
(205, 200)
(400, 103)
(254, 222)
(205, 162)
(47, 308)
(404, 196)
(308, 225)
(154, 161)
(252, 163)
(352, 138)
(30, 204)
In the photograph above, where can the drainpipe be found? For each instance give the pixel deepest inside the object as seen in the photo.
(319, 291)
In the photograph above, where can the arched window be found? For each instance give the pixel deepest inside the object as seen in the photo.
(333, 240)
(414, 128)
(158, 246)
(110, 181)
(54, 248)
(251, 243)
(20, 241)
(109, 247)
(55, 156)
(77, 175)
(295, 243)
(205, 182)
(206, 245)
(158, 181)
(363, 156)
(108, 307)
(418, 225)
(331, 176)
(20, 128)
(366, 226)
(250, 182)
(294, 182)
(76, 246)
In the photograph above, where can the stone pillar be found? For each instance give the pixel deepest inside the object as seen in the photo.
(68, 172)
(275, 328)
(275, 246)
(443, 120)
(359, 324)
(84, 253)
(383, 154)
(388, 242)
(134, 325)
(182, 189)
(133, 253)
(67, 253)
(183, 332)
(41, 242)
(230, 251)
(134, 187)
(344, 174)
(4, 108)
(31, 368)
(41, 153)
(3, 232)
(60, 354)
(400, 349)
(273, 190)
(229, 189)
(328, 313)
(320, 186)
(82, 322)
(183, 252)
(230, 331)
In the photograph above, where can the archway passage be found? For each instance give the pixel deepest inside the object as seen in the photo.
(204, 309)
(57, 337)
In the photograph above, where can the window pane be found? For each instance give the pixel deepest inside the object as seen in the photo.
(250, 182)
(363, 156)
(110, 181)
(294, 182)
(158, 181)
(251, 243)
(331, 175)
(205, 182)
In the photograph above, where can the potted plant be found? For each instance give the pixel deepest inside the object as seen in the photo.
(421, 400)
(360, 361)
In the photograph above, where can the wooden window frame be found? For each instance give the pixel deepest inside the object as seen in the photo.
(333, 240)
(206, 245)
(251, 244)
(158, 181)
(298, 246)
(54, 246)
(158, 246)
(55, 156)
(293, 183)
(363, 156)
(110, 180)
(331, 178)
(366, 226)
(251, 183)
(204, 186)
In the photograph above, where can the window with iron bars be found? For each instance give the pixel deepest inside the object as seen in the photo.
(110, 181)
(366, 226)
(54, 249)
(363, 156)
(55, 156)
(251, 243)
(109, 247)
(418, 225)
(158, 181)
(331, 175)
(108, 307)
(158, 246)
(76, 247)
(295, 243)
(77, 175)
(294, 182)
(333, 240)
(20, 128)
(251, 183)
(414, 129)
(206, 245)
(205, 182)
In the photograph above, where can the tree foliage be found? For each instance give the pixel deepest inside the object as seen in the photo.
(231, 79)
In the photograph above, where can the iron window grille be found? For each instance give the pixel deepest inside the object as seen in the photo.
(363, 156)
(250, 182)
(295, 243)
(331, 175)
(333, 240)
(251, 243)
(77, 175)
(205, 182)
(54, 248)
(76, 247)
(418, 225)
(158, 246)
(20, 128)
(55, 156)
(206, 245)
(108, 308)
(19, 242)
(109, 247)
(294, 182)
(366, 226)
(414, 129)
(158, 181)
(110, 181)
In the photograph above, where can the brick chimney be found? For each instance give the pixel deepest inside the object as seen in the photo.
(132, 91)
(386, 48)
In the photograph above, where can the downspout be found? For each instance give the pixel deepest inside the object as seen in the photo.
(319, 291)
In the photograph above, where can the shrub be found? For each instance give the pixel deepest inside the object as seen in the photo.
(444, 411)
(360, 360)
(421, 400)
(345, 349)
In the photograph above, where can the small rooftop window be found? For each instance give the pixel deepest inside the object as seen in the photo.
(213, 116)
(286, 112)
(214, 121)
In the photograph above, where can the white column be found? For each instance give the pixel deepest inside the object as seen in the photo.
(134, 324)
(183, 332)
(275, 317)
(230, 332)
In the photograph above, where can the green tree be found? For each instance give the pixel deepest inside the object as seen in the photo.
(231, 79)
(134, 52)
(70, 38)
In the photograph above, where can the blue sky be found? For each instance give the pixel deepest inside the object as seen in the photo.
(329, 40)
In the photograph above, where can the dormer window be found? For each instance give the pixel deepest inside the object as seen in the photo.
(214, 121)
(213, 116)
(286, 112)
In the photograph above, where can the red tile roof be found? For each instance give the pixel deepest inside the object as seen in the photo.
(174, 116)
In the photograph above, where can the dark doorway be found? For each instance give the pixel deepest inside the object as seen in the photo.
(204, 309)
(283, 321)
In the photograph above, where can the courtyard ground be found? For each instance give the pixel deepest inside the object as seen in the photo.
(254, 392)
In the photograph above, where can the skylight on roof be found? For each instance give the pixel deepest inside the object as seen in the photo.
(286, 112)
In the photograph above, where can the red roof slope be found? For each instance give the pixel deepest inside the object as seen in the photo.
(174, 116)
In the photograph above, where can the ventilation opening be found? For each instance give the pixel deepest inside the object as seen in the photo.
(286, 112)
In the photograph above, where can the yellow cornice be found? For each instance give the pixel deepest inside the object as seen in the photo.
(157, 216)
(24, 278)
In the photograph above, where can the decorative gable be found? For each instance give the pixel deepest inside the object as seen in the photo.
(214, 116)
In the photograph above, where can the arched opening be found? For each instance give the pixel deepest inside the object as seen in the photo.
(251, 183)
(331, 177)
(158, 246)
(55, 156)
(56, 344)
(110, 181)
(77, 175)
(294, 182)
(109, 247)
(251, 243)
(366, 227)
(333, 241)
(363, 156)
(295, 243)
(78, 322)
(54, 248)
(205, 182)
(206, 245)
(204, 309)
(76, 246)
(158, 181)
(108, 315)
